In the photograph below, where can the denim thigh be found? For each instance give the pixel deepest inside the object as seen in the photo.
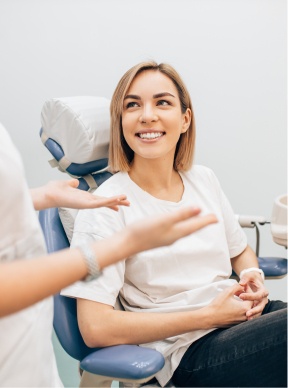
(251, 354)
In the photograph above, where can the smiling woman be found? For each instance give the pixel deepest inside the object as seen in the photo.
(153, 122)
(137, 103)
(179, 300)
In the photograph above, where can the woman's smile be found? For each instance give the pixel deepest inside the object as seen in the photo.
(149, 135)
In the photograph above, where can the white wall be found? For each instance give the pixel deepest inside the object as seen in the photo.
(231, 53)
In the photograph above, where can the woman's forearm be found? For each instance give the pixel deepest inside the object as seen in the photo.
(101, 325)
(246, 259)
(112, 327)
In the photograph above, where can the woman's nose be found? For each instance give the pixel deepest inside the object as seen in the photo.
(147, 115)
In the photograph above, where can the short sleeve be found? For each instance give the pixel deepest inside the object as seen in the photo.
(105, 289)
(94, 225)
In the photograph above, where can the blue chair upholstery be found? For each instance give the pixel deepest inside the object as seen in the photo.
(273, 267)
(122, 362)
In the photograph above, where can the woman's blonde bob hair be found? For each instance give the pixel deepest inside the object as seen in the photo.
(120, 154)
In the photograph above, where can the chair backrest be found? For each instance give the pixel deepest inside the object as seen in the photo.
(76, 132)
(71, 127)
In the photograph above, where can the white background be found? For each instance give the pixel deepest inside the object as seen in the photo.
(230, 53)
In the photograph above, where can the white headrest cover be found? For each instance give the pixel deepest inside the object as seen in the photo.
(80, 125)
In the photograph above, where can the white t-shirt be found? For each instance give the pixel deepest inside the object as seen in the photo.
(183, 277)
(26, 352)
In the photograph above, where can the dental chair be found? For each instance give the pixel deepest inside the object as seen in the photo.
(86, 123)
(75, 131)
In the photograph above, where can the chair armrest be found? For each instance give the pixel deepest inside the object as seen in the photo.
(273, 267)
(124, 362)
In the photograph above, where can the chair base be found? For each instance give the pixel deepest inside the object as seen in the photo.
(91, 380)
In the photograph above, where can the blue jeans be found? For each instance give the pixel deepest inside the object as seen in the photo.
(251, 354)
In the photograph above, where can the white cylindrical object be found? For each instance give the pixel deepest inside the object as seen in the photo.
(279, 220)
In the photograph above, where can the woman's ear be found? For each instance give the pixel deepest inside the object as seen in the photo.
(186, 120)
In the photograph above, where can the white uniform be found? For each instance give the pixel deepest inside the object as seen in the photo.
(26, 352)
(183, 277)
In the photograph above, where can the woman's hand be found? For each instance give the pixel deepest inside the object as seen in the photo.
(64, 193)
(227, 309)
(255, 291)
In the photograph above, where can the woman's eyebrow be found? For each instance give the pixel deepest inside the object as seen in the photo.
(133, 96)
(158, 95)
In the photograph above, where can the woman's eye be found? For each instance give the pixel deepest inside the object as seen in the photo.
(132, 104)
(163, 102)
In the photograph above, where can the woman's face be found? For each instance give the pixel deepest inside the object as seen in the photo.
(152, 120)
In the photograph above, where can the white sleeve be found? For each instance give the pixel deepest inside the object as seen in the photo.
(236, 238)
(92, 225)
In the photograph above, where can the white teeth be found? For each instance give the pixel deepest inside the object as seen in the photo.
(150, 135)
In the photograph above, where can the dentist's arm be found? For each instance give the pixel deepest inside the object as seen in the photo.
(25, 282)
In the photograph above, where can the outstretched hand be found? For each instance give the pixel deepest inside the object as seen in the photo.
(166, 229)
(64, 193)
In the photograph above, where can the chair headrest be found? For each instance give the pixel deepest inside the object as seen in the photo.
(76, 132)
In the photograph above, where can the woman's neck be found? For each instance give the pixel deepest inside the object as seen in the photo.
(157, 178)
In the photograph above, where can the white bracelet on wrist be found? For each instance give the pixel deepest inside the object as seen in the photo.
(251, 270)
(90, 259)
